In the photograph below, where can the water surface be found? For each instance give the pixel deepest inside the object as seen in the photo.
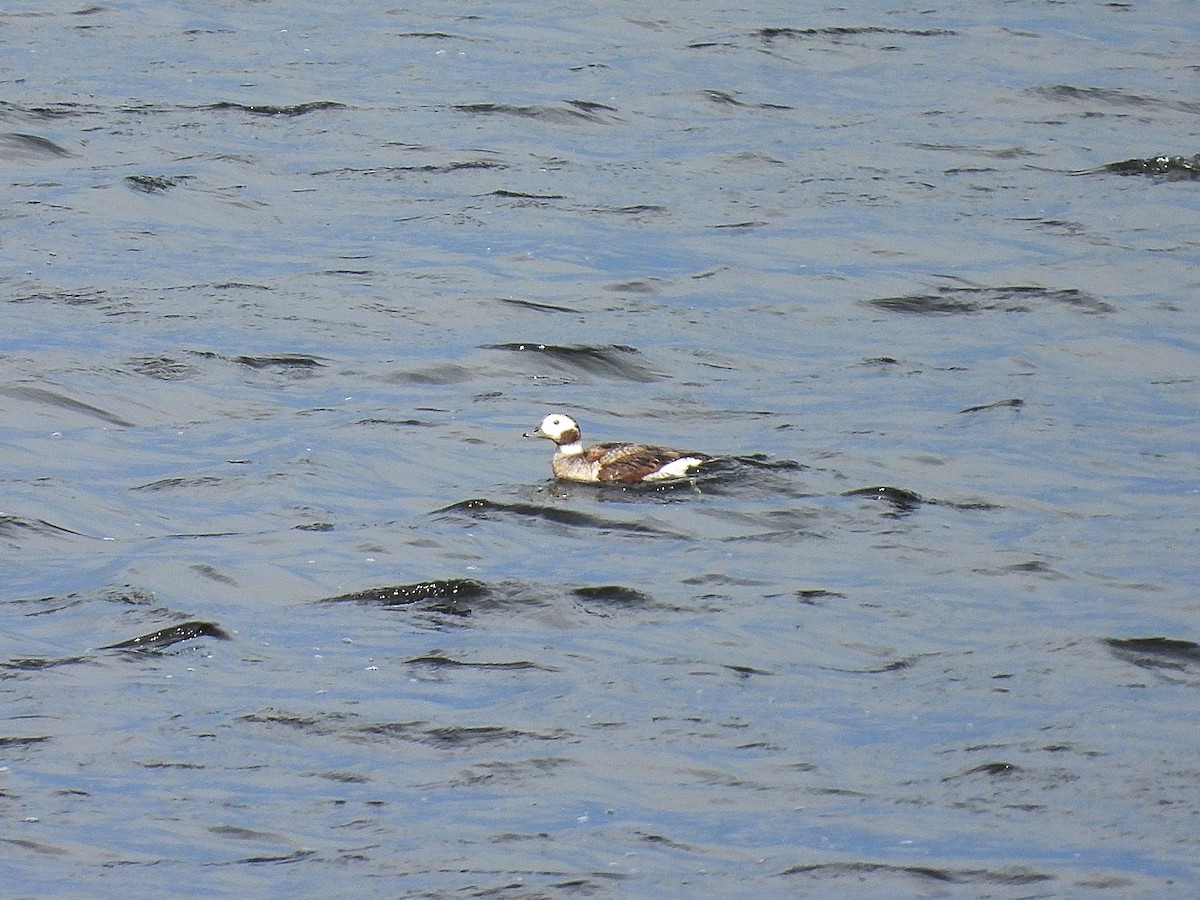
(283, 286)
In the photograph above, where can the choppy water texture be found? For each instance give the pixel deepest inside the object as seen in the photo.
(289, 606)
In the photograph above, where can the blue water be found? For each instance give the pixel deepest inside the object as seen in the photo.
(266, 272)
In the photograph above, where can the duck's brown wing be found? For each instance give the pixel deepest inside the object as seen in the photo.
(630, 463)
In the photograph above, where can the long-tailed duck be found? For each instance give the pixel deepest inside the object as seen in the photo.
(610, 463)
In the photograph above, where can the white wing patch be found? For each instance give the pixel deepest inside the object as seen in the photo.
(676, 469)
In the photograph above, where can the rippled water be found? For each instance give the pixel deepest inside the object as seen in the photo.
(290, 605)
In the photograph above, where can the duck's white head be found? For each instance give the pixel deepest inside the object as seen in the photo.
(558, 427)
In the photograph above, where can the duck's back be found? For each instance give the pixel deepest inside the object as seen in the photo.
(631, 463)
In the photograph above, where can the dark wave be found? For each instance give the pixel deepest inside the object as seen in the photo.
(1028, 567)
(52, 398)
(440, 661)
(81, 297)
(419, 731)
(448, 736)
(34, 663)
(901, 500)
(155, 184)
(538, 305)
(448, 595)
(151, 642)
(1113, 97)
(445, 168)
(1012, 403)
(1156, 652)
(48, 113)
(614, 594)
(991, 768)
(395, 423)
(181, 481)
(770, 34)
(15, 526)
(762, 461)
(1164, 168)
(165, 637)
(856, 871)
(281, 361)
(298, 109)
(480, 508)
(634, 209)
(573, 112)
(959, 300)
(162, 368)
(726, 99)
(435, 36)
(606, 360)
(522, 195)
(437, 373)
(17, 145)
(7, 742)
